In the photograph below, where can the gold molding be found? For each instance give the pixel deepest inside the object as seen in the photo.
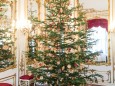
(108, 73)
(12, 5)
(39, 6)
(46, 0)
(8, 78)
(7, 68)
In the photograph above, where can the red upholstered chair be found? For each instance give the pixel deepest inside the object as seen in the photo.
(5, 84)
(26, 80)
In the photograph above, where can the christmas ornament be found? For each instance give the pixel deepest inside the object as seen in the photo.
(69, 49)
(51, 6)
(63, 68)
(53, 75)
(41, 77)
(68, 66)
(1, 9)
(61, 10)
(50, 68)
(75, 64)
(58, 62)
(71, 70)
(5, 47)
(81, 66)
(68, 3)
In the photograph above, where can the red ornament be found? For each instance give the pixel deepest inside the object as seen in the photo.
(52, 14)
(69, 49)
(75, 64)
(50, 25)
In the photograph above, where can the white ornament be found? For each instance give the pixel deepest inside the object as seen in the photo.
(41, 77)
(68, 66)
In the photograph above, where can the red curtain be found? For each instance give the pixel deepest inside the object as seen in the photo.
(98, 22)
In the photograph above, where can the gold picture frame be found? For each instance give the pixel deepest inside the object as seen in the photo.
(6, 22)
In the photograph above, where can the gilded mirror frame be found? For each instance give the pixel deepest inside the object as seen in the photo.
(109, 59)
(34, 28)
(9, 19)
(30, 37)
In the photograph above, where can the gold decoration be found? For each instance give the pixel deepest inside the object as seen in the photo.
(7, 68)
(1, 9)
(11, 77)
(3, 1)
(71, 70)
(47, 0)
(61, 10)
(53, 75)
(63, 68)
(50, 68)
(29, 61)
(58, 62)
(38, 1)
(6, 21)
(82, 66)
(5, 47)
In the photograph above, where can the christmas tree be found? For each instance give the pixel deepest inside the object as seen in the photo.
(65, 47)
(6, 43)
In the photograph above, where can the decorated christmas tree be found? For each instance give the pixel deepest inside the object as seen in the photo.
(6, 43)
(65, 47)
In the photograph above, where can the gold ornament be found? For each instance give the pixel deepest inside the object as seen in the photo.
(63, 68)
(81, 66)
(1, 9)
(47, 0)
(51, 6)
(3, 0)
(5, 47)
(58, 62)
(53, 75)
(71, 70)
(50, 68)
(61, 10)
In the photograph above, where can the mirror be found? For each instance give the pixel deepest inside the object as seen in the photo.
(36, 12)
(7, 35)
(34, 7)
(98, 18)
